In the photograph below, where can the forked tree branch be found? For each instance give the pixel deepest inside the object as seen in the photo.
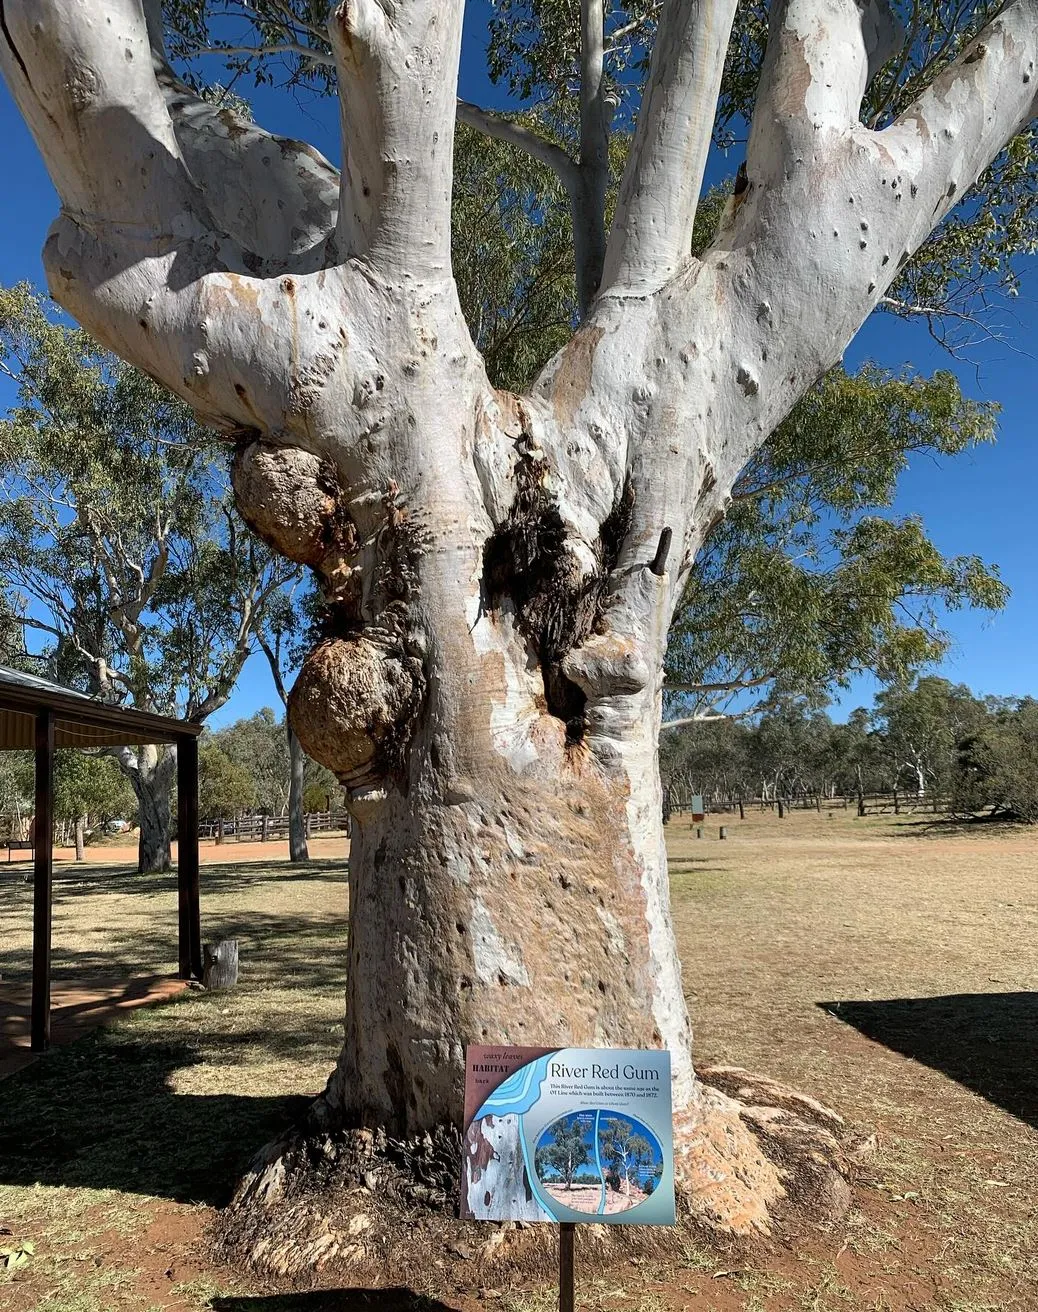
(832, 210)
(820, 57)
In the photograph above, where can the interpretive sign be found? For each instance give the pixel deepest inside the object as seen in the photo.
(698, 809)
(567, 1135)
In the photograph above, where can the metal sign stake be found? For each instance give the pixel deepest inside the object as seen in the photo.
(567, 1229)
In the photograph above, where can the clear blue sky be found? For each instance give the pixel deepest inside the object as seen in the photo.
(982, 503)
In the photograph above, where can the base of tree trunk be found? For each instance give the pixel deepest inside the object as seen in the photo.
(358, 1206)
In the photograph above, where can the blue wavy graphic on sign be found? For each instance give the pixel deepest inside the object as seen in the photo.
(519, 1092)
(598, 1166)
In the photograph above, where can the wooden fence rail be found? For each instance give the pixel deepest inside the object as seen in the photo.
(265, 828)
(895, 803)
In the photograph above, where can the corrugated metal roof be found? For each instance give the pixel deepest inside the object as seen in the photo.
(8, 675)
(79, 720)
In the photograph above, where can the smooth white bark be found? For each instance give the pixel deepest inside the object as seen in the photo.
(651, 238)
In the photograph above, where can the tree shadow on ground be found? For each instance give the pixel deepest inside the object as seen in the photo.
(950, 826)
(985, 1041)
(75, 880)
(334, 1300)
(101, 1114)
(274, 948)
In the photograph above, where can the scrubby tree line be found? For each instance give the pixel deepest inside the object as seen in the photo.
(927, 739)
(246, 769)
(89, 792)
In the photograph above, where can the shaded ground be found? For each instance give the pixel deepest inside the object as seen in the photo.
(121, 849)
(75, 1010)
(893, 978)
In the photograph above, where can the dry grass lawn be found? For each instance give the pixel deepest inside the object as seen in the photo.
(889, 966)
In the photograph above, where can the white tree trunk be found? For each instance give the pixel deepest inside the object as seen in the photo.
(501, 571)
(297, 847)
(151, 772)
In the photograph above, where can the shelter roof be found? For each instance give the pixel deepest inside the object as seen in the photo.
(79, 719)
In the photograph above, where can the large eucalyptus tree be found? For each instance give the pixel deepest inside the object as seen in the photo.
(501, 569)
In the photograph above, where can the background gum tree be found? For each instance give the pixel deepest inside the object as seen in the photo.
(120, 545)
(501, 569)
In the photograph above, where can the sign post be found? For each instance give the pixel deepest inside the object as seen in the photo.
(564, 1135)
(567, 1231)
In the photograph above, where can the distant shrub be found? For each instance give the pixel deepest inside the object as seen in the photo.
(997, 769)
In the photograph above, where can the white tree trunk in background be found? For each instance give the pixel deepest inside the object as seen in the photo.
(497, 566)
(297, 847)
(151, 770)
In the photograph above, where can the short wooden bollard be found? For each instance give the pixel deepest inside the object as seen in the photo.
(723, 832)
(220, 964)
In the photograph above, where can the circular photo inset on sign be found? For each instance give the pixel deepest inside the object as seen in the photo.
(598, 1162)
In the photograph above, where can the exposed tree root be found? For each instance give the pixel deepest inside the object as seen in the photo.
(358, 1206)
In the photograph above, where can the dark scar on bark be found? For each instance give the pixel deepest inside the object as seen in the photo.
(556, 610)
(11, 45)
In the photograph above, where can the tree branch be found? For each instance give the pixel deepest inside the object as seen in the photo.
(275, 667)
(277, 198)
(136, 256)
(279, 48)
(651, 236)
(729, 685)
(705, 717)
(503, 128)
(820, 57)
(111, 110)
(589, 236)
(832, 210)
(398, 80)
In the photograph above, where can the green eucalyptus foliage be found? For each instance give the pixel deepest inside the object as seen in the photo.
(933, 741)
(921, 726)
(89, 785)
(512, 248)
(258, 745)
(225, 788)
(804, 584)
(118, 540)
(264, 24)
(996, 768)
